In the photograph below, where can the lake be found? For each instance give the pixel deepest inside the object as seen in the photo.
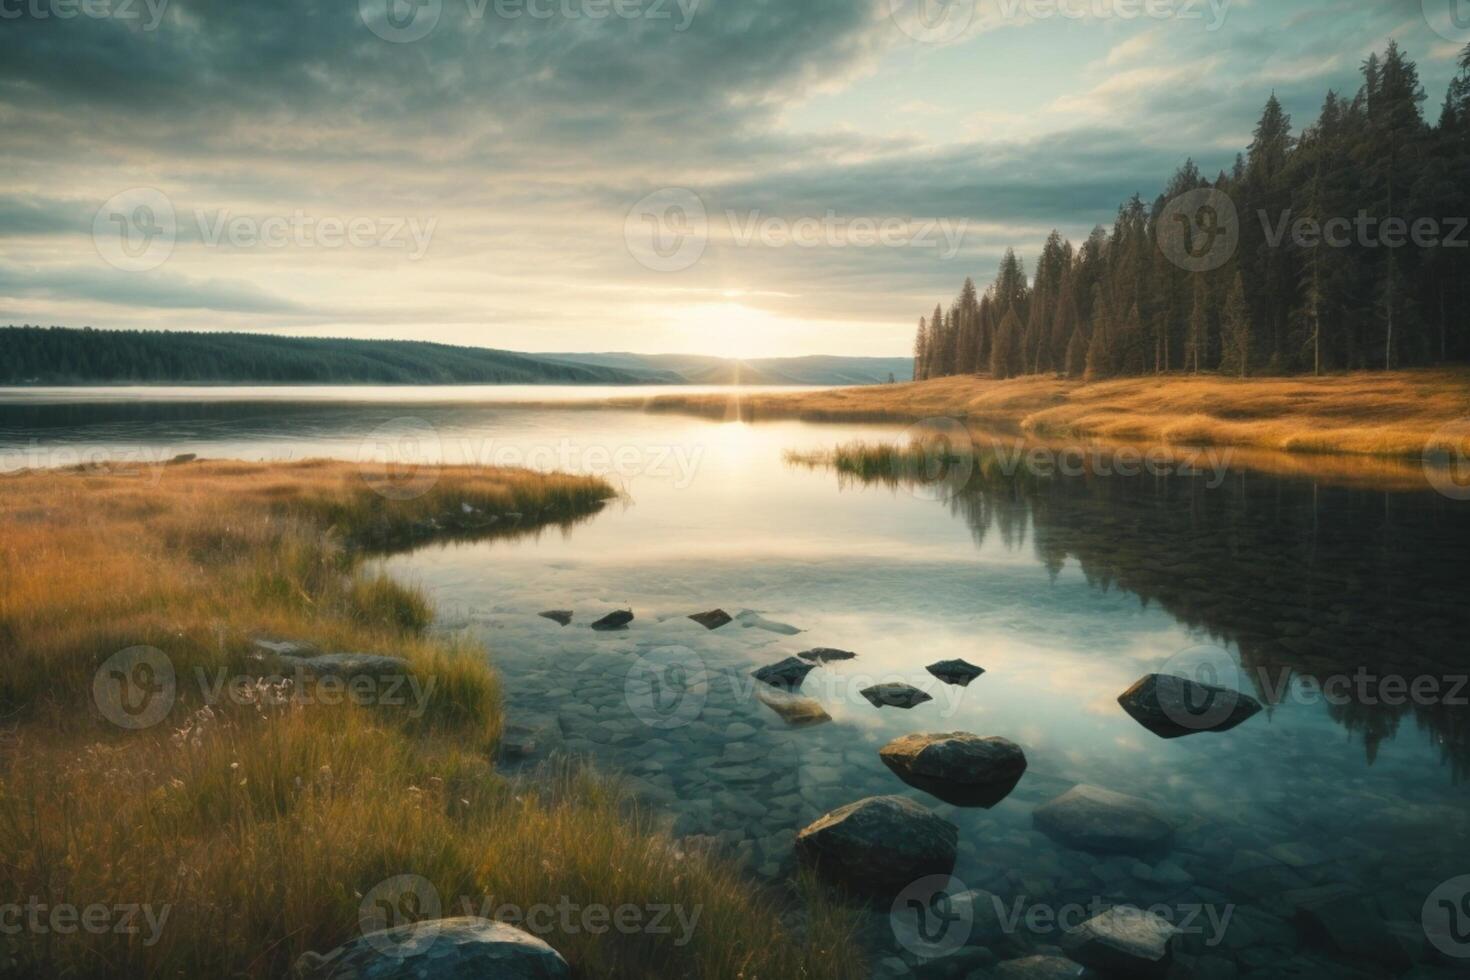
(1321, 837)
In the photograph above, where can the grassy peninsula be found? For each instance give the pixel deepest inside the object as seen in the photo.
(1388, 414)
(254, 823)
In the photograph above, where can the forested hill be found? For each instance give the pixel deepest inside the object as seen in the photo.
(58, 355)
(1342, 244)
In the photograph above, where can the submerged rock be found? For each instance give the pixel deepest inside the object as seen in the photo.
(1124, 941)
(880, 844)
(713, 619)
(750, 619)
(956, 672)
(618, 620)
(1090, 818)
(894, 695)
(958, 768)
(447, 949)
(562, 617)
(788, 674)
(1172, 706)
(822, 655)
(795, 710)
(1038, 968)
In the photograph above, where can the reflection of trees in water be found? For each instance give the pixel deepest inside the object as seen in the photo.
(1308, 581)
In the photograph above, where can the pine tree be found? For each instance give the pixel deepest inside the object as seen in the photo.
(1005, 355)
(1196, 348)
(921, 351)
(1236, 331)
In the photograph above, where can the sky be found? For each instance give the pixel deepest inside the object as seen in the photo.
(732, 177)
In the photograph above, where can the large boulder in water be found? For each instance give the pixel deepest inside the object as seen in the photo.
(822, 655)
(1124, 941)
(617, 620)
(1090, 818)
(894, 695)
(957, 672)
(879, 845)
(787, 675)
(795, 710)
(445, 949)
(713, 619)
(958, 768)
(1172, 706)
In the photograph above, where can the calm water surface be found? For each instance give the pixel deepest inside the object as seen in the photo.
(1322, 827)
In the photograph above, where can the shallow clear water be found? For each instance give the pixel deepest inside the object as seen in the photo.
(1065, 590)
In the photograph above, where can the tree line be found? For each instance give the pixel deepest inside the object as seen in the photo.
(1342, 247)
(61, 355)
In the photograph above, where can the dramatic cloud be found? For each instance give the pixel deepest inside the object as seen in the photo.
(471, 170)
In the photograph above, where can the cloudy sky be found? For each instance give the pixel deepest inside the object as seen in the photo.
(742, 177)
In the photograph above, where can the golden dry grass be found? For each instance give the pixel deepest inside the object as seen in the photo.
(1397, 414)
(258, 824)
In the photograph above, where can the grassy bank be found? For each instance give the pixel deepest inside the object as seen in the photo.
(255, 815)
(1395, 414)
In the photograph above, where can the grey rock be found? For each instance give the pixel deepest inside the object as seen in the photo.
(894, 695)
(880, 844)
(822, 655)
(445, 949)
(284, 648)
(1090, 818)
(750, 619)
(618, 620)
(1172, 707)
(1124, 940)
(958, 768)
(788, 674)
(1037, 968)
(562, 617)
(354, 665)
(713, 619)
(796, 711)
(956, 672)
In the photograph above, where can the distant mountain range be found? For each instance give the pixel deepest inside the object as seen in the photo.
(820, 369)
(61, 355)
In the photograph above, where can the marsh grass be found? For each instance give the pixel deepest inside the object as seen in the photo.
(1388, 414)
(257, 824)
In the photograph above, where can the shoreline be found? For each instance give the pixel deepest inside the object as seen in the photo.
(1400, 414)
